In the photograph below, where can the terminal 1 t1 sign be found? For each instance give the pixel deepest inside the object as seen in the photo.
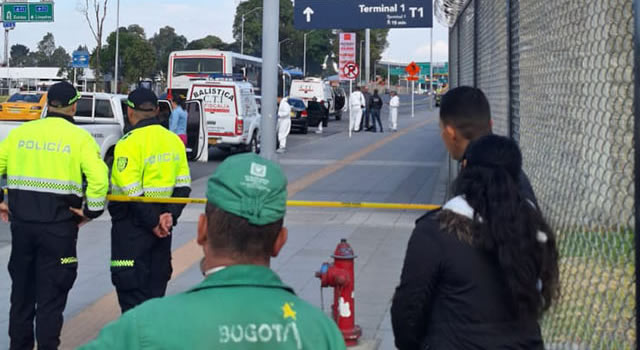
(360, 14)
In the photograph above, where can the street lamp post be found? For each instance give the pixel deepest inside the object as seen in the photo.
(242, 30)
(117, 47)
(304, 59)
(361, 42)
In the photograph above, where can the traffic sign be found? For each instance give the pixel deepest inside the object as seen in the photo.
(351, 71)
(412, 69)
(80, 59)
(27, 12)
(9, 25)
(347, 52)
(337, 14)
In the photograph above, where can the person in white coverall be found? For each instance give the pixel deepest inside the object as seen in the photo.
(284, 124)
(356, 104)
(393, 111)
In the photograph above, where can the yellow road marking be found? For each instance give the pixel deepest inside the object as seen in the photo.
(85, 325)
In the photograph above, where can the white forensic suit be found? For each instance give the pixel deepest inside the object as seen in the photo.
(393, 112)
(284, 123)
(356, 103)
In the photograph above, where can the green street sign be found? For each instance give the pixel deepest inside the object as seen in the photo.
(27, 12)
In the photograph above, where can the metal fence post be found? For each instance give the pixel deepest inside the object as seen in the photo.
(475, 43)
(636, 149)
(509, 71)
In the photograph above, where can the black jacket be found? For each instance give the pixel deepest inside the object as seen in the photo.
(375, 101)
(453, 296)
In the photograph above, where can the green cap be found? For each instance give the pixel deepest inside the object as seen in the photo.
(251, 187)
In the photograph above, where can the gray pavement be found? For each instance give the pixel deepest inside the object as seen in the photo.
(409, 168)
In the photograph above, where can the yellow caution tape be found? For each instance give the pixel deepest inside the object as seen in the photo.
(317, 204)
(314, 204)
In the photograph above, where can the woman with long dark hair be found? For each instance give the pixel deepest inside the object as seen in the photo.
(480, 272)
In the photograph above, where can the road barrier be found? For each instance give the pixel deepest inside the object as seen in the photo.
(291, 203)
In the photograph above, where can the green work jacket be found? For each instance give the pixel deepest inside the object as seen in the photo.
(240, 307)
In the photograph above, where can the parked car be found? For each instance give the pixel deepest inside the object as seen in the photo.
(299, 115)
(104, 117)
(23, 106)
(311, 89)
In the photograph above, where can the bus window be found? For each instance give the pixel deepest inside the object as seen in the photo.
(183, 66)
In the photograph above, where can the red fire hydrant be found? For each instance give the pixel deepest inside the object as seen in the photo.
(340, 276)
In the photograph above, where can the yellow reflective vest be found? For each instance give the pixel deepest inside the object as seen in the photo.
(45, 161)
(149, 161)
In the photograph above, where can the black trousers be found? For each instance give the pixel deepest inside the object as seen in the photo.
(43, 267)
(140, 264)
(375, 118)
(364, 122)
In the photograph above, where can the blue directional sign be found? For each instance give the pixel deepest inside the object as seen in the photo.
(80, 59)
(9, 25)
(360, 14)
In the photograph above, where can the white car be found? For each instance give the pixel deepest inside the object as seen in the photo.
(104, 116)
(311, 89)
(230, 110)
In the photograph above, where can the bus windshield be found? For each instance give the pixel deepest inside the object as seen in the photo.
(183, 66)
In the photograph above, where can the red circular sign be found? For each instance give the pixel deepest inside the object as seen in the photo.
(351, 70)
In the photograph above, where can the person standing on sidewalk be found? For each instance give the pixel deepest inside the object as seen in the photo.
(46, 161)
(149, 161)
(366, 112)
(465, 116)
(241, 303)
(376, 105)
(356, 104)
(284, 124)
(394, 104)
(482, 271)
(178, 118)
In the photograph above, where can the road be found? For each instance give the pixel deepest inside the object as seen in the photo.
(407, 166)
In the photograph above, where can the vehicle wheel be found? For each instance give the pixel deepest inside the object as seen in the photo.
(339, 116)
(325, 122)
(254, 144)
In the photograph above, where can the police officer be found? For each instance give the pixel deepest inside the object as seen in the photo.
(45, 161)
(149, 161)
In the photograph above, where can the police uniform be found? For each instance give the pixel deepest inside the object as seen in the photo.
(149, 161)
(240, 307)
(45, 161)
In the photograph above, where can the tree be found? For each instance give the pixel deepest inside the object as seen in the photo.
(165, 42)
(20, 56)
(91, 9)
(137, 56)
(208, 42)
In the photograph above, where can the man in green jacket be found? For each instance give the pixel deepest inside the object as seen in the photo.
(242, 303)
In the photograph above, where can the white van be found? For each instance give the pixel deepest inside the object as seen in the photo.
(314, 88)
(231, 112)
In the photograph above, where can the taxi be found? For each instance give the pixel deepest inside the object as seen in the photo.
(23, 106)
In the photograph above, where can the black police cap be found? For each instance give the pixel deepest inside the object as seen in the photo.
(62, 94)
(141, 96)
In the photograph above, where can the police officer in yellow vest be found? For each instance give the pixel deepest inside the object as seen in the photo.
(149, 161)
(45, 161)
(241, 304)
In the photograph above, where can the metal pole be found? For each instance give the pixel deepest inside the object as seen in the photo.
(413, 96)
(6, 47)
(304, 59)
(74, 78)
(270, 22)
(431, 95)
(242, 37)
(349, 104)
(636, 146)
(388, 77)
(475, 43)
(360, 77)
(117, 48)
(367, 34)
(509, 71)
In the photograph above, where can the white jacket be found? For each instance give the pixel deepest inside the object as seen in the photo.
(284, 111)
(356, 101)
(395, 102)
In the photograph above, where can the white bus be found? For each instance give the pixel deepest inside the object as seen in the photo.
(185, 67)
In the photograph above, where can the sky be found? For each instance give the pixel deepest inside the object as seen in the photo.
(196, 19)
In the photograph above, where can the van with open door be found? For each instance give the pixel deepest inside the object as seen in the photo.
(314, 89)
(230, 110)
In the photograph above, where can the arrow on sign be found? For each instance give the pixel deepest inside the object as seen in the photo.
(308, 12)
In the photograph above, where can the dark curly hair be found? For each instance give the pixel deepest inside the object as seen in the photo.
(507, 225)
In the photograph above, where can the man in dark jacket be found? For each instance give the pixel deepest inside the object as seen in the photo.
(465, 116)
(366, 112)
(375, 103)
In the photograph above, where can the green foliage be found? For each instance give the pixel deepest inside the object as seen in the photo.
(208, 42)
(137, 56)
(21, 56)
(165, 42)
(47, 55)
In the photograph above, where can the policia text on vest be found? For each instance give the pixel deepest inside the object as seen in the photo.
(149, 161)
(45, 162)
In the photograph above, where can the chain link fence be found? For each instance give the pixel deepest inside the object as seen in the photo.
(559, 77)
